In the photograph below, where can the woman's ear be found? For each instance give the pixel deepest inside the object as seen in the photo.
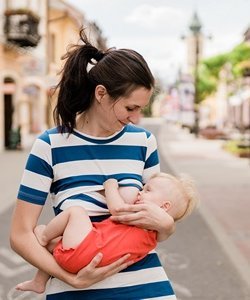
(100, 92)
(166, 205)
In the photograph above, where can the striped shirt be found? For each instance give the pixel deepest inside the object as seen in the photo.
(70, 170)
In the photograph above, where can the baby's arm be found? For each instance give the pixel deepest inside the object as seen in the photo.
(116, 197)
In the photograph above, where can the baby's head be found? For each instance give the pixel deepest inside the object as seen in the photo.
(176, 195)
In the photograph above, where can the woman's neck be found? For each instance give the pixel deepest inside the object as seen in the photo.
(88, 123)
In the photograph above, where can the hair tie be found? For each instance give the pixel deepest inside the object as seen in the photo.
(91, 64)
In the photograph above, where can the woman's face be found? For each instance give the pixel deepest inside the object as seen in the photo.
(125, 109)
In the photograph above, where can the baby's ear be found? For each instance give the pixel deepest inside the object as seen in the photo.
(166, 205)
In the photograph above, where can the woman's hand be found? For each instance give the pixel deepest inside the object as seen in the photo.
(92, 273)
(148, 216)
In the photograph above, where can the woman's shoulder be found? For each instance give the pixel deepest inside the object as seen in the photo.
(138, 129)
(45, 136)
(50, 131)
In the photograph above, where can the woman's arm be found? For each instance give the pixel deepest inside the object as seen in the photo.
(112, 195)
(24, 242)
(148, 216)
(117, 196)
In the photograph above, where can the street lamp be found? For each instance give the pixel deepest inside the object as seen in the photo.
(195, 28)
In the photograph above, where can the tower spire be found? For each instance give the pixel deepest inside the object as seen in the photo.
(195, 24)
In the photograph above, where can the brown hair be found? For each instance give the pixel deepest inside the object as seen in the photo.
(121, 71)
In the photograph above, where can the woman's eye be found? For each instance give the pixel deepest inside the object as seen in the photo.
(130, 109)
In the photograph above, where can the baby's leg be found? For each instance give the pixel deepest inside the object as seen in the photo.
(73, 224)
(78, 227)
(37, 284)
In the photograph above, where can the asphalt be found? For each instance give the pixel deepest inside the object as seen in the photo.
(223, 181)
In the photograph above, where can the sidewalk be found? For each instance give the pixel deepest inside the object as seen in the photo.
(223, 181)
(12, 163)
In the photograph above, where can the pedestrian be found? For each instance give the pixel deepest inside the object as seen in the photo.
(80, 240)
(99, 95)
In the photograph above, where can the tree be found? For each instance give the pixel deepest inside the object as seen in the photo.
(209, 69)
(147, 111)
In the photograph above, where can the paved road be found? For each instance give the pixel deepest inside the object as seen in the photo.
(194, 259)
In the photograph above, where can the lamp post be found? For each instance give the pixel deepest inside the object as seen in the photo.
(195, 28)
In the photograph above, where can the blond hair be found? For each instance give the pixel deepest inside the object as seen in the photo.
(187, 190)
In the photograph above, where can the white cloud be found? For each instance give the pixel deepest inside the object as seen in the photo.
(152, 17)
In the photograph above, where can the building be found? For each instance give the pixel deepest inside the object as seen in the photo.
(188, 78)
(31, 47)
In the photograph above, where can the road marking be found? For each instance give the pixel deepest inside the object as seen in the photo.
(174, 261)
(182, 290)
(1, 292)
(13, 294)
(21, 266)
(179, 262)
(12, 272)
(11, 256)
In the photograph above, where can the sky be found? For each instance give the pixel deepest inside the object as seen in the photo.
(154, 27)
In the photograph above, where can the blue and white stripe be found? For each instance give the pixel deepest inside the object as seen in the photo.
(71, 169)
(143, 280)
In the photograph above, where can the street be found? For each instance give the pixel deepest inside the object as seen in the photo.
(194, 257)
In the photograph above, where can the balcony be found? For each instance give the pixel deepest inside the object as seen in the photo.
(21, 27)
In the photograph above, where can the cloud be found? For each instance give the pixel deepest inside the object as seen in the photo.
(152, 17)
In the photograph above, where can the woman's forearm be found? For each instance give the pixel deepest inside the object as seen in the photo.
(165, 232)
(27, 246)
(24, 242)
(113, 197)
(147, 216)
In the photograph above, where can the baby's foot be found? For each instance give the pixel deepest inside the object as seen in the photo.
(39, 229)
(32, 286)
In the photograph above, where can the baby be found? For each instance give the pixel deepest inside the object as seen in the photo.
(80, 240)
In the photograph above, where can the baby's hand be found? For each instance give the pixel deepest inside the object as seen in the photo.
(110, 183)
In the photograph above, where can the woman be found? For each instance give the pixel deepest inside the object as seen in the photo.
(100, 94)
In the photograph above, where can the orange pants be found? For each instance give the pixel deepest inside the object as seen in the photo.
(113, 240)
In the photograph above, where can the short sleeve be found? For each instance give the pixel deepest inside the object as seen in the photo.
(152, 165)
(38, 174)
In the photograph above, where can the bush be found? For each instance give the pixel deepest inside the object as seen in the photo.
(238, 147)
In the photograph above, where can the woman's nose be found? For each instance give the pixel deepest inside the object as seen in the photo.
(135, 118)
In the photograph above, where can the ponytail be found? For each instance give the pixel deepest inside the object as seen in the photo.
(75, 89)
(120, 71)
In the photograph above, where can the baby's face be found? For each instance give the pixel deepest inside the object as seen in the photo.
(155, 190)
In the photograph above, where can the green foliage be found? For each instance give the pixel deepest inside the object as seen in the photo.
(147, 111)
(209, 69)
(206, 86)
(239, 56)
(239, 53)
(213, 65)
(237, 147)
